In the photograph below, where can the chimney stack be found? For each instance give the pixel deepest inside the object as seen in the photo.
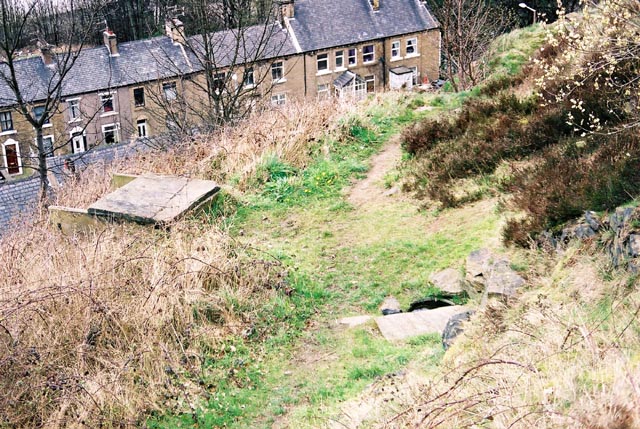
(174, 28)
(46, 52)
(111, 42)
(287, 9)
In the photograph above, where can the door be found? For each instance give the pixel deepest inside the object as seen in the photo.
(78, 143)
(12, 156)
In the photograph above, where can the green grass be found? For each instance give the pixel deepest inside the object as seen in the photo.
(342, 261)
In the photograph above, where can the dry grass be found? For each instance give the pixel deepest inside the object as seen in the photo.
(565, 355)
(101, 330)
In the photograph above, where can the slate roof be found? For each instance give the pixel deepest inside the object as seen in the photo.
(346, 78)
(322, 24)
(143, 61)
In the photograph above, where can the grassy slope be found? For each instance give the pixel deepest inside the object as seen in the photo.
(343, 261)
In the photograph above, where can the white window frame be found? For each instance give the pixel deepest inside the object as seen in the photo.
(142, 123)
(353, 57)
(371, 54)
(4, 154)
(116, 129)
(340, 55)
(412, 43)
(53, 142)
(11, 130)
(395, 50)
(170, 90)
(249, 78)
(323, 90)
(104, 96)
(73, 107)
(370, 78)
(279, 99)
(322, 62)
(277, 77)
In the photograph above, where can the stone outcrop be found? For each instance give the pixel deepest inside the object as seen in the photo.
(449, 281)
(490, 275)
(618, 233)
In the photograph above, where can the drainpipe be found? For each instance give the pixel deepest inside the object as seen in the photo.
(304, 66)
(383, 62)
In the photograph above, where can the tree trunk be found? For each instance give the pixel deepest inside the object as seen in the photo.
(42, 168)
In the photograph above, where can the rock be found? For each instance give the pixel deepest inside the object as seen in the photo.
(503, 282)
(454, 327)
(634, 245)
(449, 281)
(591, 218)
(620, 217)
(390, 305)
(477, 268)
(583, 231)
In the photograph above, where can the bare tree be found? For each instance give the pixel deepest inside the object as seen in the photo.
(35, 88)
(230, 68)
(468, 27)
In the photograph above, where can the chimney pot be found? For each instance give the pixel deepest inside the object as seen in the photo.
(111, 42)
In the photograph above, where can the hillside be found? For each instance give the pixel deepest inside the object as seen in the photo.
(230, 318)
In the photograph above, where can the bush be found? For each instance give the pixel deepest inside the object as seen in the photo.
(596, 175)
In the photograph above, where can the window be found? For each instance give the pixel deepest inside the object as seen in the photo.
(142, 127)
(371, 83)
(6, 122)
(110, 133)
(219, 80)
(412, 46)
(323, 62)
(106, 100)
(368, 54)
(138, 97)
(169, 90)
(353, 59)
(248, 78)
(395, 50)
(73, 106)
(323, 91)
(278, 99)
(38, 112)
(339, 59)
(47, 144)
(277, 71)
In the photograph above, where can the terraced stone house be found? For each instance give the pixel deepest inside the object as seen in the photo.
(137, 90)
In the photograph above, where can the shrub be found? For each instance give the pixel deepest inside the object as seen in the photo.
(423, 135)
(596, 175)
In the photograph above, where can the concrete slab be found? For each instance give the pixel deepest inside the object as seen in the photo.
(154, 199)
(406, 325)
(354, 321)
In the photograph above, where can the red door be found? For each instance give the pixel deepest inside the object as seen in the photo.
(11, 152)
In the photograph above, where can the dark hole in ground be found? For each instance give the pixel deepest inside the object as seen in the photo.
(430, 304)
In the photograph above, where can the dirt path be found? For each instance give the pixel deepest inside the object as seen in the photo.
(371, 190)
